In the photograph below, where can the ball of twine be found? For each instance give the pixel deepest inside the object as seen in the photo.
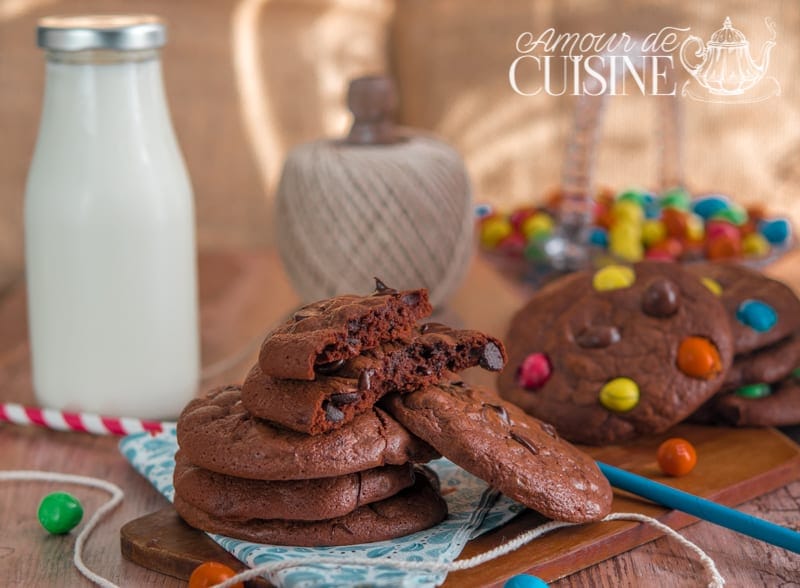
(346, 213)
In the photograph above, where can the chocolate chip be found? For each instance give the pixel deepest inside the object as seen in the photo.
(459, 383)
(550, 430)
(433, 327)
(333, 414)
(325, 369)
(501, 412)
(411, 299)
(597, 336)
(342, 398)
(525, 442)
(661, 299)
(365, 380)
(382, 289)
(491, 358)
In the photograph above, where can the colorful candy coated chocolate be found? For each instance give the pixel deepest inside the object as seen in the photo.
(598, 237)
(514, 244)
(619, 395)
(627, 211)
(525, 581)
(636, 196)
(777, 231)
(661, 299)
(755, 245)
(712, 285)
(757, 315)
(675, 221)
(60, 512)
(534, 371)
(211, 573)
(653, 231)
(699, 358)
(613, 277)
(760, 390)
(721, 228)
(796, 372)
(520, 215)
(695, 228)
(708, 206)
(677, 198)
(483, 210)
(539, 223)
(723, 247)
(676, 457)
(493, 230)
(734, 214)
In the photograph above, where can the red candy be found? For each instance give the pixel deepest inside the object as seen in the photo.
(514, 244)
(534, 371)
(675, 220)
(520, 215)
(721, 228)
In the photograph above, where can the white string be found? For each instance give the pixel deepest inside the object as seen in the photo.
(116, 497)
(717, 581)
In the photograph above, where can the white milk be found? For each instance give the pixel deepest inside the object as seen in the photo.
(110, 245)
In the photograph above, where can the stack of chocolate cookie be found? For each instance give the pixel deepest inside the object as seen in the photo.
(307, 451)
(762, 387)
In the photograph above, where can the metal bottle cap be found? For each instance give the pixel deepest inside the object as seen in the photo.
(121, 32)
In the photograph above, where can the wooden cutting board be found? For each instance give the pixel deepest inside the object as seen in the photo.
(734, 466)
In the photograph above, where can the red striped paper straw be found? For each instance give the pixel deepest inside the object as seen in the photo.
(59, 420)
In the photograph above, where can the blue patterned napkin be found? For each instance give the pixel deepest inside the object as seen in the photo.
(474, 509)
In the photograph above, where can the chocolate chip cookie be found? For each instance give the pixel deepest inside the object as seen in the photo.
(301, 500)
(768, 364)
(519, 455)
(609, 355)
(322, 333)
(762, 311)
(414, 509)
(216, 433)
(355, 384)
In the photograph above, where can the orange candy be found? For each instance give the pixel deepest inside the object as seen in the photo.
(676, 457)
(211, 573)
(723, 248)
(675, 220)
(698, 358)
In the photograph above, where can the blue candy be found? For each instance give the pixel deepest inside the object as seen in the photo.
(525, 581)
(483, 210)
(708, 206)
(598, 237)
(757, 315)
(776, 231)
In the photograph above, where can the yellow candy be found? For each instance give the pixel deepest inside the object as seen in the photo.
(613, 277)
(494, 230)
(653, 231)
(695, 229)
(619, 395)
(712, 285)
(755, 245)
(537, 224)
(625, 241)
(627, 211)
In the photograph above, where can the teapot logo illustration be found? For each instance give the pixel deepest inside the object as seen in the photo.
(724, 70)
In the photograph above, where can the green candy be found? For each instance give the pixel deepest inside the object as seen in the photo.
(796, 373)
(754, 391)
(676, 198)
(734, 214)
(60, 512)
(633, 196)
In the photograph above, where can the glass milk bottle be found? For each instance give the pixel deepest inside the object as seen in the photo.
(109, 227)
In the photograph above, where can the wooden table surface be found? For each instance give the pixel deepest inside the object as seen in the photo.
(242, 295)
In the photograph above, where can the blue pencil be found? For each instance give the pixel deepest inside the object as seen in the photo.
(703, 509)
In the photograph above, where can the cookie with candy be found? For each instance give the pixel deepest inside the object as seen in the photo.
(761, 388)
(623, 351)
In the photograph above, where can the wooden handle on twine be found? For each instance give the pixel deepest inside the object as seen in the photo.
(577, 180)
(372, 100)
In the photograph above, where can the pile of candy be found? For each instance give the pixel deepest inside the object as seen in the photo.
(635, 225)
